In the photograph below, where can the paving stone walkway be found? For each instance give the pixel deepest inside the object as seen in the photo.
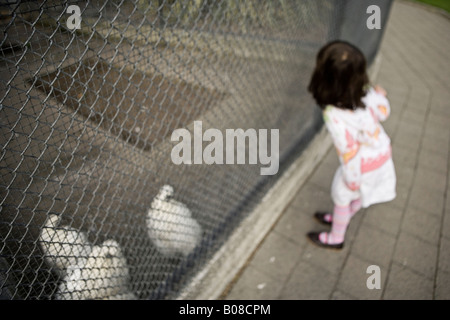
(408, 238)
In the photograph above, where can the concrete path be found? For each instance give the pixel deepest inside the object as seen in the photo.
(408, 238)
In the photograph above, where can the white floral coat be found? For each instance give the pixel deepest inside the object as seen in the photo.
(364, 150)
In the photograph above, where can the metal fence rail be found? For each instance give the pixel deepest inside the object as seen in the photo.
(92, 205)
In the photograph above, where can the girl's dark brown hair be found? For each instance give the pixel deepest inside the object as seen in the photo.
(340, 76)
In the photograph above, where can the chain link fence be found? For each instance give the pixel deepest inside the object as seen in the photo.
(92, 205)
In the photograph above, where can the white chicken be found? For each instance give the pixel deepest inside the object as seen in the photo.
(63, 246)
(104, 275)
(171, 226)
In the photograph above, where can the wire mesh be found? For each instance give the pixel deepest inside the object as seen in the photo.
(92, 205)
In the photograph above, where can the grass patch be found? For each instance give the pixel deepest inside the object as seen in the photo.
(442, 4)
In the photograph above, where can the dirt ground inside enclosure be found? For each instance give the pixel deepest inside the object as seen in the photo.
(139, 108)
(105, 195)
(60, 156)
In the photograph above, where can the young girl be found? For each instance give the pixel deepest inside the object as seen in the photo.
(352, 112)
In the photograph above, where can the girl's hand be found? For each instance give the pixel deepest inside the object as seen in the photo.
(380, 90)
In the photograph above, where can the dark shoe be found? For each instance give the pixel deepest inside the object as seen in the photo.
(314, 237)
(320, 216)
